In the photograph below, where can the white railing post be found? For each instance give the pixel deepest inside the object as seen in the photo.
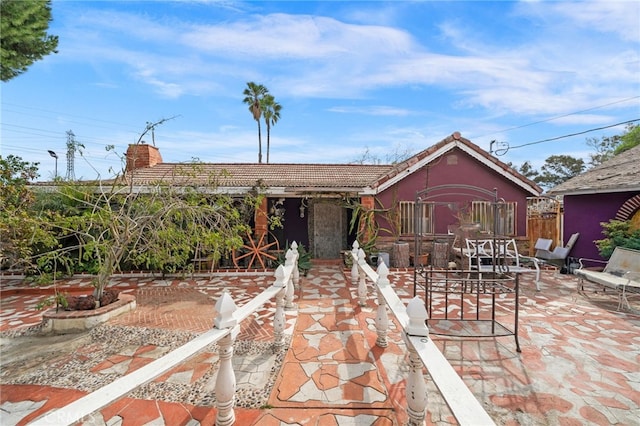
(416, 387)
(416, 390)
(225, 308)
(354, 266)
(422, 351)
(362, 284)
(290, 257)
(226, 379)
(279, 317)
(382, 319)
(296, 271)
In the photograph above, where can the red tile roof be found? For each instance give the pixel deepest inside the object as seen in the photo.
(295, 176)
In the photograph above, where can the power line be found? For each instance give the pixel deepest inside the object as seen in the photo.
(8, 127)
(563, 116)
(574, 134)
(44, 133)
(51, 134)
(94, 155)
(60, 113)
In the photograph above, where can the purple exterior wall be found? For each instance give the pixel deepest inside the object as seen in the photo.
(584, 213)
(457, 167)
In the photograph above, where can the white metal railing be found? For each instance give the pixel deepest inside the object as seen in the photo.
(422, 351)
(226, 329)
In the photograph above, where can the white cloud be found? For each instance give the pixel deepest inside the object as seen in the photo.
(617, 17)
(558, 69)
(372, 110)
(285, 36)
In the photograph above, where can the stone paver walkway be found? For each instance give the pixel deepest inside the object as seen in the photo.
(578, 365)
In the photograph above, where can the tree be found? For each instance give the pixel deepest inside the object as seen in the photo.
(527, 170)
(151, 127)
(23, 35)
(21, 231)
(603, 149)
(396, 155)
(609, 146)
(157, 227)
(99, 228)
(367, 157)
(253, 95)
(271, 112)
(559, 168)
(628, 140)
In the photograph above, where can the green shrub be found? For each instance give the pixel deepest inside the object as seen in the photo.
(618, 234)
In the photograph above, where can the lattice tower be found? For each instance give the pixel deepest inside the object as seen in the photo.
(71, 150)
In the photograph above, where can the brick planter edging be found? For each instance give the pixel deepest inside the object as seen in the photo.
(63, 322)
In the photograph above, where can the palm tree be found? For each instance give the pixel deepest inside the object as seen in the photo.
(271, 112)
(254, 93)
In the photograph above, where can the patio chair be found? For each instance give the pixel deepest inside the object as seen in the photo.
(558, 256)
(500, 255)
(477, 250)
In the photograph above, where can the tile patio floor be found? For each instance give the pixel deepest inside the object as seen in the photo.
(580, 359)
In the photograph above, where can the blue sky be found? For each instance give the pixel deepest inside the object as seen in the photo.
(352, 77)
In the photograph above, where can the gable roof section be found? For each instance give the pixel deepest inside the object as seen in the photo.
(423, 158)
(239, 177)
(619, 174)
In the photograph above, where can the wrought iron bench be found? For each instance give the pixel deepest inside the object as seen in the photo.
(621, 273)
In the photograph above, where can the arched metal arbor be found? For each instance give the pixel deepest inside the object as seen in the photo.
(490, 219)
(447, 290)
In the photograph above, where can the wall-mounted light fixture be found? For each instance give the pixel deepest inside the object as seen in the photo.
(303, 205)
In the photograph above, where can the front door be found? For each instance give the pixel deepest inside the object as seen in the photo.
(327, 230)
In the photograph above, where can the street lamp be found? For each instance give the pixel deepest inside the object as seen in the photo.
(54, 155)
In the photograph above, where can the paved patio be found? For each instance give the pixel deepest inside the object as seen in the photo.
(578, 365)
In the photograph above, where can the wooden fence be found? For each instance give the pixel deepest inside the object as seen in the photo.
(544, 220)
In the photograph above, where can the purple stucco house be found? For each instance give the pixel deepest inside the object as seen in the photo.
(608, 191)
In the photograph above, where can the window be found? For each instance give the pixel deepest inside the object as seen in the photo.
(504, 222)
(408, 213)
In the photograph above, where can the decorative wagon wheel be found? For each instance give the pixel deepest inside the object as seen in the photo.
(255, 250)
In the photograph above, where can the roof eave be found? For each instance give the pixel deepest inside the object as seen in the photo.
(589, 191)
(311, 189)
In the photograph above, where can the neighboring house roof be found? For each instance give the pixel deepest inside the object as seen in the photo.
(364, 179)
(619, 174)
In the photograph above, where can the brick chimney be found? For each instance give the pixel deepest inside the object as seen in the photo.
(140, 156)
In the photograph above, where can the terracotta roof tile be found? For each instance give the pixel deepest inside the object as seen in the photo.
(297, 176)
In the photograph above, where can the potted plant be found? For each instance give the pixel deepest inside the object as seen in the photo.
(364, 224)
